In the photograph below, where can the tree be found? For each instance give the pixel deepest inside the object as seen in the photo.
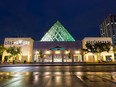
(89, 48)
(41, 55)
(114, 50)
(69, 55)
(14, 51)
(2, 49)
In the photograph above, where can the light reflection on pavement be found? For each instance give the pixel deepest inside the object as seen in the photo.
(57, 79)
(58, 76)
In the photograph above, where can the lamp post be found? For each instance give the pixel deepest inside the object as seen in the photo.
(62, 56)
(52, 56)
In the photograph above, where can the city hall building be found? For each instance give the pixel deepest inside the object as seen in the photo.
(57, 45)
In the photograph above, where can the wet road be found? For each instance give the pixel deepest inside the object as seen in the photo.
(58, 76)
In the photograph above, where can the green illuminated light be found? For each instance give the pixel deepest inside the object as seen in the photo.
(57, 33)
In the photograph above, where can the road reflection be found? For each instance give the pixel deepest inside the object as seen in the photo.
(57, 79)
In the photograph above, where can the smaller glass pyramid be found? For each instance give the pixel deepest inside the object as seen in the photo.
(57, 33)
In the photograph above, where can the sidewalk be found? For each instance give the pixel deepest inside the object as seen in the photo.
(56, 64)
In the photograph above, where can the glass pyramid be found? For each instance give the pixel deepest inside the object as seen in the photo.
(57, 33)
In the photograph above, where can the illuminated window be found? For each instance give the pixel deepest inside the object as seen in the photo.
(20, 42)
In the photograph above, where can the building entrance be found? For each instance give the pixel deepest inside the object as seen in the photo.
(57, 58)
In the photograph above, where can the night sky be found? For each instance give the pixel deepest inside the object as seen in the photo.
(33, 18)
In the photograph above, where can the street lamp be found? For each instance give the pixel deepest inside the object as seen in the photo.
(57, 52)
(47, 52)
(36, 52)
(77, 52)
(66, 52)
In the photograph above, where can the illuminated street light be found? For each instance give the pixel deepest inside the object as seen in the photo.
(47, 52)
(77, 52)
(66, 52)
(36, 52)
(57, 52)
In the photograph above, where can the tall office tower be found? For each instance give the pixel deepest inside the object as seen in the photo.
(108, 28)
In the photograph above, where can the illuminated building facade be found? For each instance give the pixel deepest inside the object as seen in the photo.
(26, 45)
(57, 51)
(105, 56)
(57, 45)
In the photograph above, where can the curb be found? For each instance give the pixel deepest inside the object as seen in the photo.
(78, 64)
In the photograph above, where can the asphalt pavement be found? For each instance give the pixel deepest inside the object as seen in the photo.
(58, 76)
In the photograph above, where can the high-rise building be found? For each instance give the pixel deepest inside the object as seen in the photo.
(108, 28)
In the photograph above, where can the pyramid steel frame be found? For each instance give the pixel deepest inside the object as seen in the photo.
(57, 33)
